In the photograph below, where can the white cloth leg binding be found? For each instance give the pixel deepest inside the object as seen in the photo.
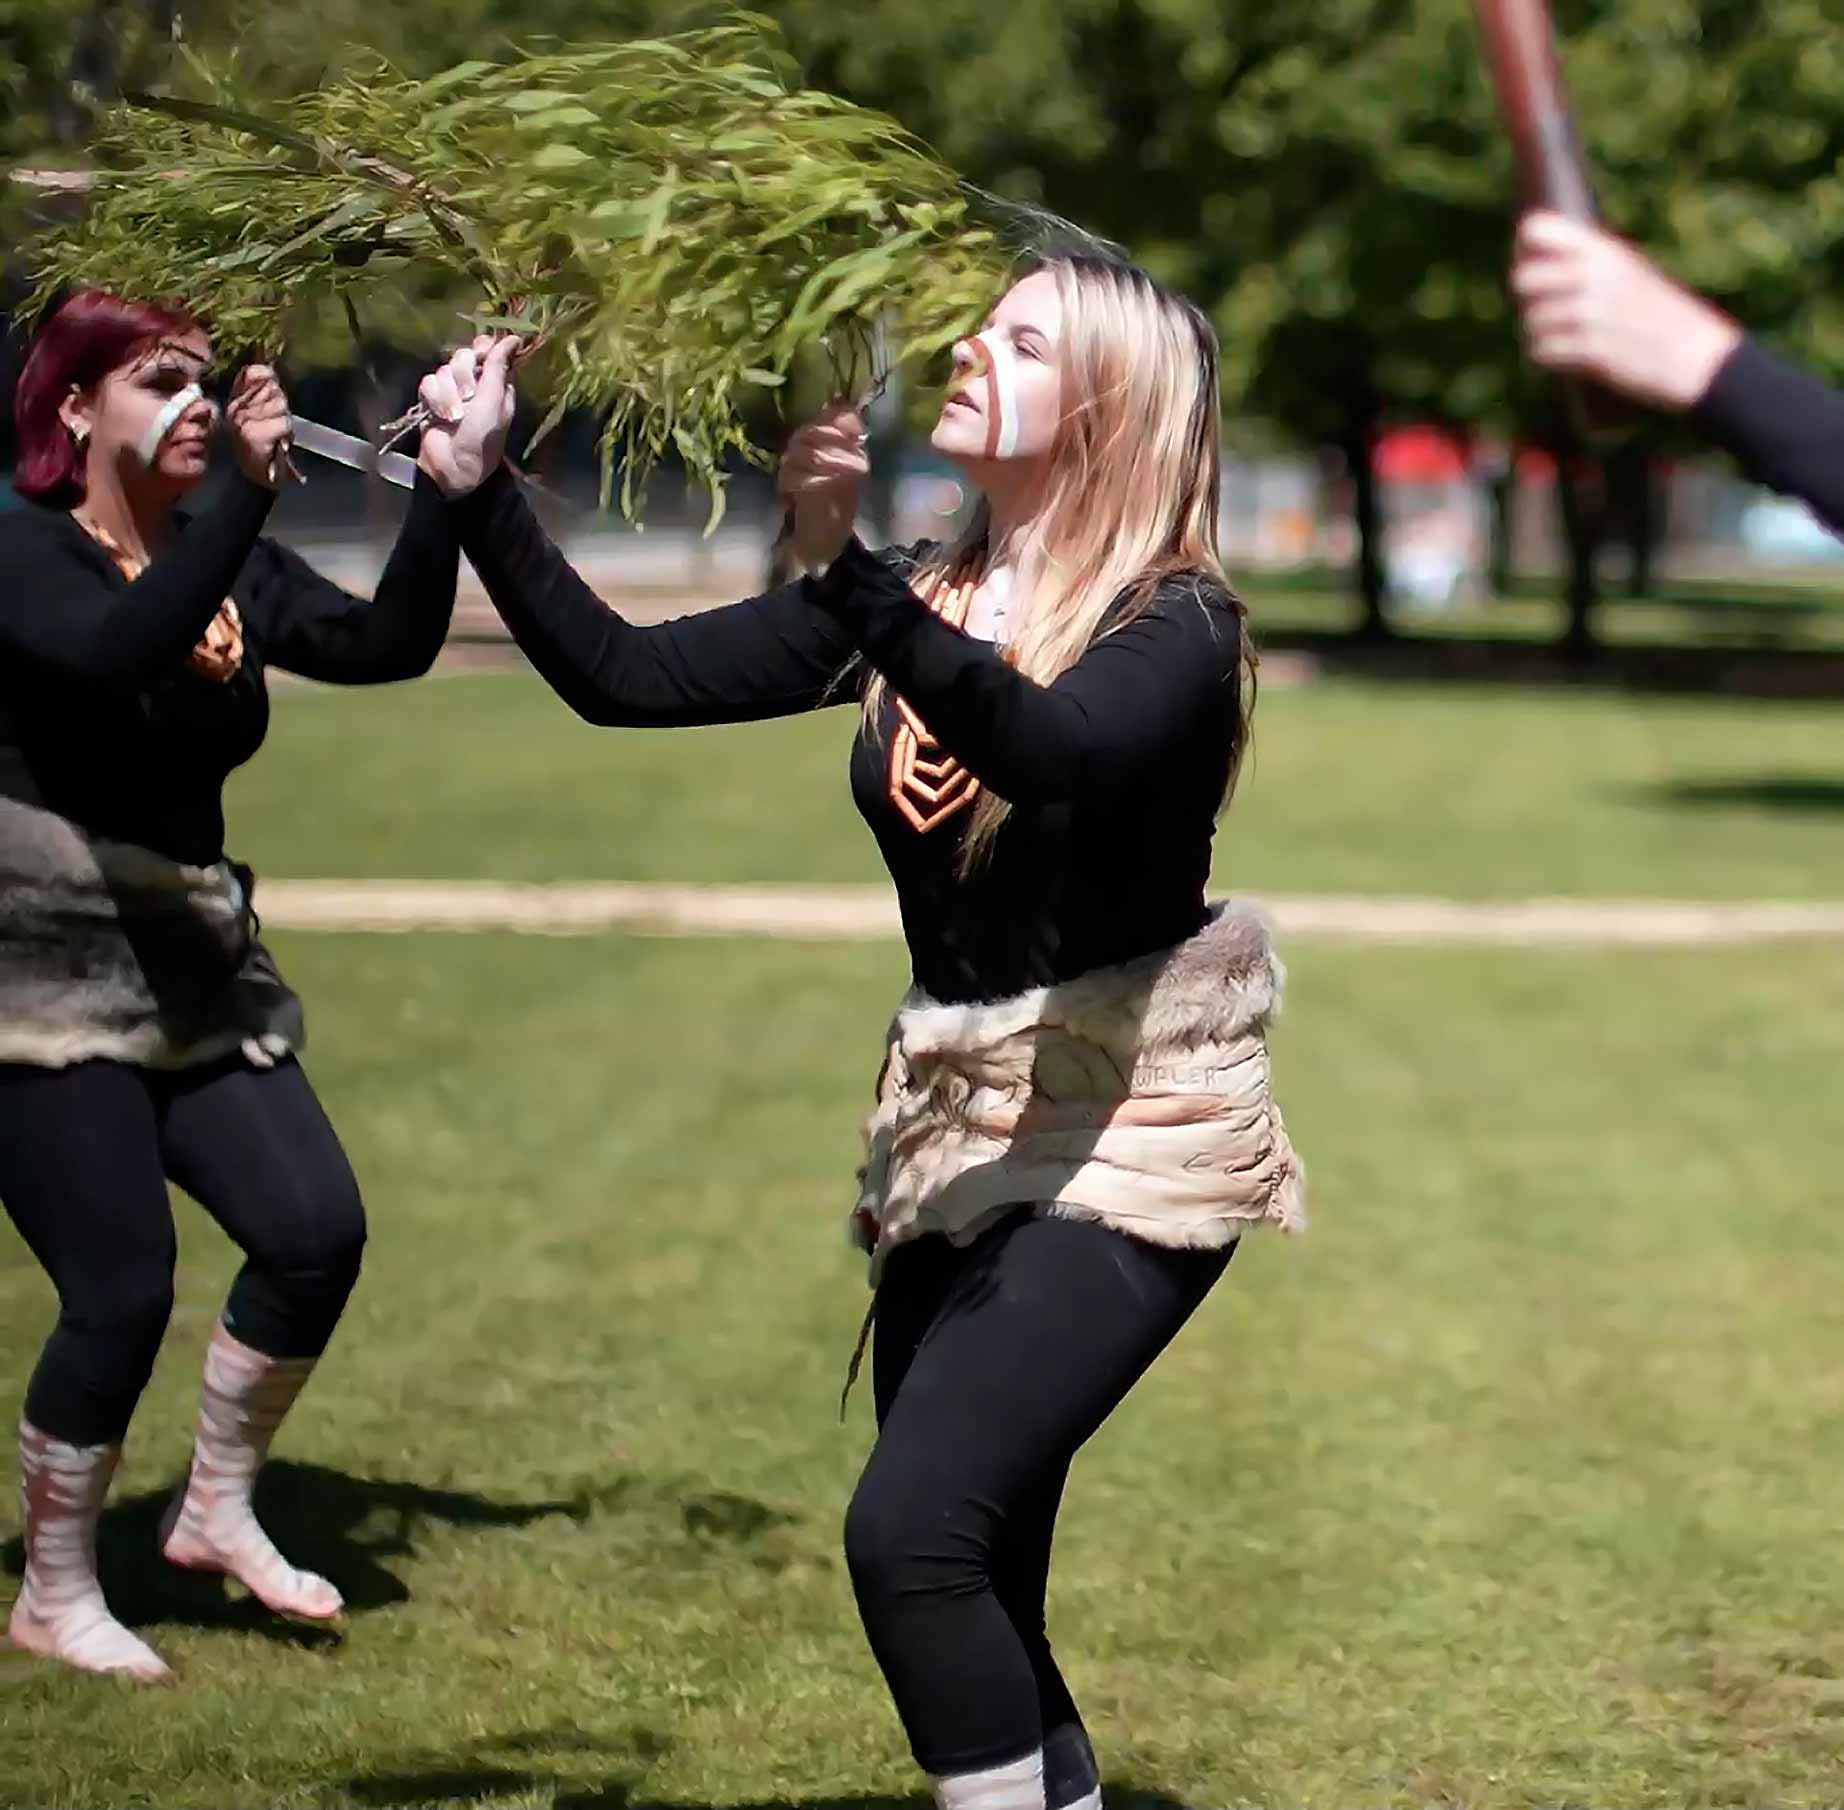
(1017, 1786)
(60, 1613)
(211, 1525)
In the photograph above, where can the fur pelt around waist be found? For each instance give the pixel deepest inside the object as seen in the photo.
(1137, 1095)
(109, 951)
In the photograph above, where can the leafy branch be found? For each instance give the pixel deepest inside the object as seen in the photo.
(675, 217)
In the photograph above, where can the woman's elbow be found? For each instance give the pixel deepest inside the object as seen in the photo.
(418, 664)
(390, 667)
(592, 707)
(413, 656)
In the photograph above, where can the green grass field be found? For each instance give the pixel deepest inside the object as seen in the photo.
(1515, 1482)
(1472, 791)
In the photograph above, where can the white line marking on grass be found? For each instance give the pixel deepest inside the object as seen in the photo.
(562, 909)
(851, 913)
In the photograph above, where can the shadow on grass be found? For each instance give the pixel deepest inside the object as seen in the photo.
(503, 1766)
(343, 1527)
(347, 1528)
(529, 1762)
(1796, 794)
(720, 1516)
(539, 1760)
(1117, 1797)
(1786, 674)
(474, 1784)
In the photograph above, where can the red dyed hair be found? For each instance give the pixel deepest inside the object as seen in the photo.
(90, 335)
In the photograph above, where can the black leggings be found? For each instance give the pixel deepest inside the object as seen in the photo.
(993, 1364)
(85, 1154)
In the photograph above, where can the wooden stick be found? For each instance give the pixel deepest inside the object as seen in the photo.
(1520, 45)
(1533, 101)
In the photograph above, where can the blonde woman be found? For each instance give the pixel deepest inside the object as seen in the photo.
(1074, 1122)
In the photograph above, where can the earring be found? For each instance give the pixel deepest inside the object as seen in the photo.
(80, 434)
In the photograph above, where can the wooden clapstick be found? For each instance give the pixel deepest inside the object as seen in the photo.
(1520, 45)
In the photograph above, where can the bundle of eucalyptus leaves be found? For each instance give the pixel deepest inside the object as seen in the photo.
(674, 220)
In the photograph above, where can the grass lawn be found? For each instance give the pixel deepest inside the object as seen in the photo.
(1514, 1483)
(1465, 790)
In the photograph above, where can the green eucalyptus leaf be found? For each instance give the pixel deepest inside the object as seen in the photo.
(676, 217)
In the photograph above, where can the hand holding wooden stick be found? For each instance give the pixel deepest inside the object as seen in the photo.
(1520, 46)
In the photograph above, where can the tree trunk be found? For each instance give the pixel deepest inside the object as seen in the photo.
(1642, 516)
(545, 465)
(1580, 494)
(92, 76)
(878, 506)
(381, 510)
(141, 65)
(1504, 496)
(1359, 446)
(12, 356)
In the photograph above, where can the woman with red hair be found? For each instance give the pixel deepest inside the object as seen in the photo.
(145, 1034)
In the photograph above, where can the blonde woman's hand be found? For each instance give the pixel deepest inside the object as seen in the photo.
(257, 419)
(1593, 307)
(821, 475)
(470, 400)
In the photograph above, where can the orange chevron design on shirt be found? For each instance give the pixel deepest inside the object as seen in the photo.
(927, 784)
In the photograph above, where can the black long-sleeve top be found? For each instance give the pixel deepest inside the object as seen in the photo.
(1785, 427)
(101, 718)
(1115, 772)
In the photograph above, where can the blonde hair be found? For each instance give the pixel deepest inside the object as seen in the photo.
(1132, 499)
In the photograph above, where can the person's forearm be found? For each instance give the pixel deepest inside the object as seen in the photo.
(129, 635)
(1785, 427)
(763, 657)
(399, 633)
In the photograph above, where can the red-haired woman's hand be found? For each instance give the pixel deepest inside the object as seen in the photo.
(258, 420)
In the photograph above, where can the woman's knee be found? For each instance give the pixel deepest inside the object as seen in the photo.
(118, 1321)
(903, 1538)
(875, 1538)
(341, 1235)
(93, 1369)
(318, 1234)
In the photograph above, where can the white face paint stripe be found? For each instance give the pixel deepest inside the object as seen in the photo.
(166, 421)
(1001, 398)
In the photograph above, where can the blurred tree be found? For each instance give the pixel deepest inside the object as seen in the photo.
(1331, 182)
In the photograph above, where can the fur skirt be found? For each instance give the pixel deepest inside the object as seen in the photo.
(112, 952)
(1138, 1095)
